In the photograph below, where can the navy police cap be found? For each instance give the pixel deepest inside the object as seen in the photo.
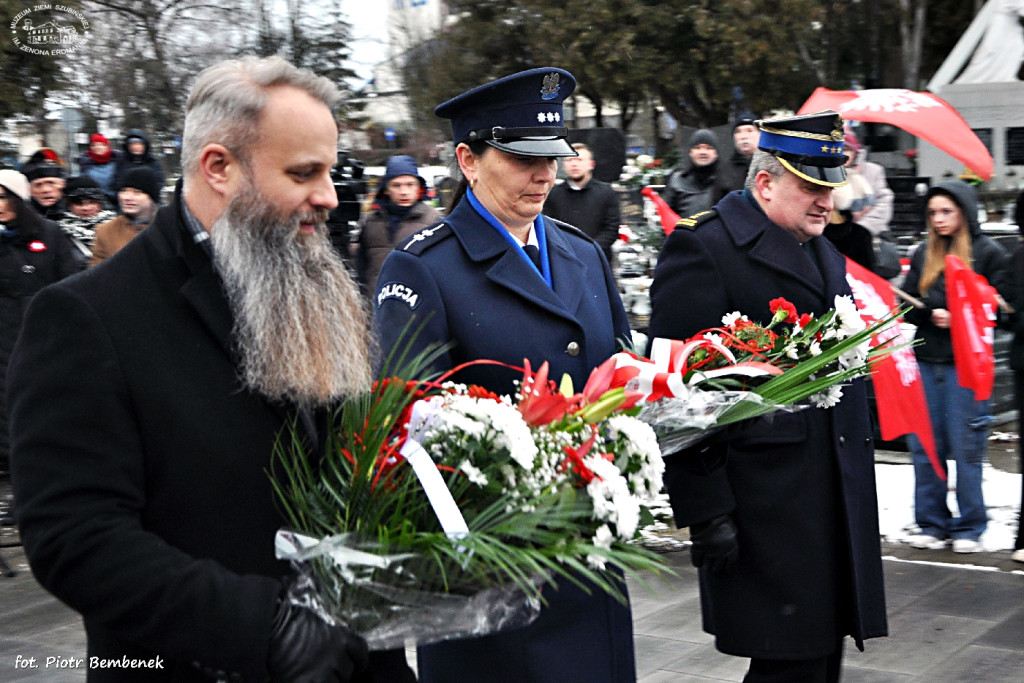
(519, 114)
(811, 146)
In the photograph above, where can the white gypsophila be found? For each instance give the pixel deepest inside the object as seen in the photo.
(610, 496)
(829, 397)
(643, 445)
(850, 321)
(474, 474)
(730, 319)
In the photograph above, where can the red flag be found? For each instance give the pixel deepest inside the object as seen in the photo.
(972, 303)
(899, 393)
(919, 113)
(669, 218)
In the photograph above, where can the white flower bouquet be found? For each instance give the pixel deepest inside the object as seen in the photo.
(441, 510)
(743, 369)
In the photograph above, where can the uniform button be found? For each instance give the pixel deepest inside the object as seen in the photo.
(27, 268)
(867, 441)
(842, 440)
(573, 349)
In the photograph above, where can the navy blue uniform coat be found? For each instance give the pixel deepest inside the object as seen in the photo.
(800, 488)
(476, 291)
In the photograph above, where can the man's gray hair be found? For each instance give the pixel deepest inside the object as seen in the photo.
(227, 99)
(762, 161)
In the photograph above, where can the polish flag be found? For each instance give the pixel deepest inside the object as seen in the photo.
(899, 392)
(972, 304)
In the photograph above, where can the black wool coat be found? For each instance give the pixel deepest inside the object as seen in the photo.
(595, 210)
(801, 486)
(140, 463)
(37, 256)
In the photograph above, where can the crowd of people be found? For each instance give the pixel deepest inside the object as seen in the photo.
(144, 396)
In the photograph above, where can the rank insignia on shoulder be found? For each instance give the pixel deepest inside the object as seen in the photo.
(696, 219)
(415, 244)
(396, 290)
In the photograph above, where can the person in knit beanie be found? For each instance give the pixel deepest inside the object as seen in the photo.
(399, 211)
(688, 189)
(45, 173)
(86, 209)
(138, 197)
(100, 164)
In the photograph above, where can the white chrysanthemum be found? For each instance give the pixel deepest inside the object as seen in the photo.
(596, 561)
(792, 351)
(643, 447)
(712, 337)
(501, 419)
(850, 321)
(855, 357)
(473, 474)
(612, 501)
(814, 348)
(730, 319)
(829, 397)
(603, 537)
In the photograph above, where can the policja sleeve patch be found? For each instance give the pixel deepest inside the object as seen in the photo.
(397, 290)
(691, 222)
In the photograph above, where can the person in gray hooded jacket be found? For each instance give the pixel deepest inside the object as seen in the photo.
(959, 422)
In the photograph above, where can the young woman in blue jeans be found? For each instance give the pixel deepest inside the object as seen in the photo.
(959, 421)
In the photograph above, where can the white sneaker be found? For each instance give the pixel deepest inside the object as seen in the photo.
(926, 542)
(1018, 555)
(966, 545)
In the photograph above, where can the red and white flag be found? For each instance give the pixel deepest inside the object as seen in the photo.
(972, 304)
(899, 392)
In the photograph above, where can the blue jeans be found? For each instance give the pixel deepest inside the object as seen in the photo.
(961, 426)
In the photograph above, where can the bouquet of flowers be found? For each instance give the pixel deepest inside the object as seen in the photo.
(441, 510)
(743, 369)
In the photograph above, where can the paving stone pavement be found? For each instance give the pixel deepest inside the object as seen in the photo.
(952, 618)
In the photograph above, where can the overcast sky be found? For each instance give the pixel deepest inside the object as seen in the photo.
(369, 34)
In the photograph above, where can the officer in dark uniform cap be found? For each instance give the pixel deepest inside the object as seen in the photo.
(473, 282)
(783, 513)
(811, 146)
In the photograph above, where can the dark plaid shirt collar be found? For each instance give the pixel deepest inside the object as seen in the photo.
(196, 230)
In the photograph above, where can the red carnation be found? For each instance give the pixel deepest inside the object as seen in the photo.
(780, 304)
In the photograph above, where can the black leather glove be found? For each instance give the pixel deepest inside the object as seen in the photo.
(714, 544)
(305, 648)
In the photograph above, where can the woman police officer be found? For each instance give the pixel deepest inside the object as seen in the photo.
(471, 283)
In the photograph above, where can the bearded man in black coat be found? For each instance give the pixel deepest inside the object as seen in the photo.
(146, 395)
(783, 515)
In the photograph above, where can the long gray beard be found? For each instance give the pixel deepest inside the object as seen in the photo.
(301, 326)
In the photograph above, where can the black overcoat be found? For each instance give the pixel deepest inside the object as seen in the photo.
(140, 463)
(39, 254)
(473, 289)
(800, 487)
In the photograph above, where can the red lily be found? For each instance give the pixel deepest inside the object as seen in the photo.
(600, 382)
(541, 403)
(574, 458)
